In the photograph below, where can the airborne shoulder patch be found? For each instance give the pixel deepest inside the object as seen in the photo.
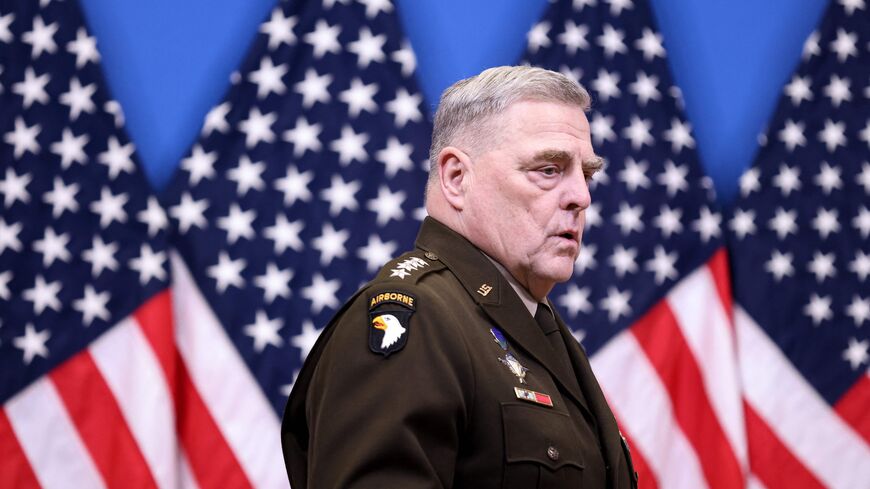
(400, 298)
(389, 321)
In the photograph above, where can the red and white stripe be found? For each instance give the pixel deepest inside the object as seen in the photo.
(48, 437)
(103, 418)
(640, 400)
(707, 404)
(854, 407)
(128, 365)
(146, 405)
(672, 380)
(247, 442)
(797, 439)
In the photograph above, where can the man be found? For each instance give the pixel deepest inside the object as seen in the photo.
(451, 368)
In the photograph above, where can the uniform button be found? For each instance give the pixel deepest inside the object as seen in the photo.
(430, 255)
(553, 453)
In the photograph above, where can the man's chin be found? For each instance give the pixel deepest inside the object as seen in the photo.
(560, 272)
(564, 277)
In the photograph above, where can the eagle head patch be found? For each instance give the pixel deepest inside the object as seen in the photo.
(389, 320)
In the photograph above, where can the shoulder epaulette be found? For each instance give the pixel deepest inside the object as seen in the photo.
(409, 268)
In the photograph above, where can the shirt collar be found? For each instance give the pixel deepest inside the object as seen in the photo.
(528, 301)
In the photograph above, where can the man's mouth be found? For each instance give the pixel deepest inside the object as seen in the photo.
(569, 234)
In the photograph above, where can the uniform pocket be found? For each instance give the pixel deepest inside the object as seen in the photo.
(540, 448)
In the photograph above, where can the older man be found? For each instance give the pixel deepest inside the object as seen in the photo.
(451, 368)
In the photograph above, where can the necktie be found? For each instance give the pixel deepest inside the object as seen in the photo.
(547, 322)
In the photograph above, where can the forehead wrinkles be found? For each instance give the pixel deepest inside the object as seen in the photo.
(520, 122)
(561, 127)
(546, 119)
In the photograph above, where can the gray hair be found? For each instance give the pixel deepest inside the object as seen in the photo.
(467, 106)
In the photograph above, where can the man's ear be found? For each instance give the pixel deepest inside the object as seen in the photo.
(453, 175)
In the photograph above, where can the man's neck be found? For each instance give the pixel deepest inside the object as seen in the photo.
(530, 302)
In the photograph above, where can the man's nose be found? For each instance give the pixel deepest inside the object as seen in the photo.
(576, 195)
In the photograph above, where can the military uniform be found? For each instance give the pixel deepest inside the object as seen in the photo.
(435, 375)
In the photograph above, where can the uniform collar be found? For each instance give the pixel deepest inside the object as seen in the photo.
(528, 301)
(466, 261)
(478, 275)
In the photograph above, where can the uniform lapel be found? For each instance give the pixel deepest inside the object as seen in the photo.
(608, 430)
(494, 294)
(514, 319)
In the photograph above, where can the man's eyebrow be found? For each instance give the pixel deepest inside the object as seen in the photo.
(589, 165)
(593, 164)
(554, 155)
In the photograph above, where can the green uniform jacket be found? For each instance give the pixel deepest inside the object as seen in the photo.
(438, 406)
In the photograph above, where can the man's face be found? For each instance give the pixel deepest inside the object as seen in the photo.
(527, 192)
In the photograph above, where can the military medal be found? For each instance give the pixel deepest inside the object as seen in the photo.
(515, 367)
(499, 338)
(532, 396)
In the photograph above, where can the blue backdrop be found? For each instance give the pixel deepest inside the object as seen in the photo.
(168, 62)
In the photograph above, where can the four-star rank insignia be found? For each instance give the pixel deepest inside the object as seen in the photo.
(389, 320)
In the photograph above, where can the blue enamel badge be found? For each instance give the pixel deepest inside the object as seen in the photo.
(499, 338)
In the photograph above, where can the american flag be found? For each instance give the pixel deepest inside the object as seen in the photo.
(800, 239)
(650, 298)
(87, 371)
(306, 178)
(304, 181)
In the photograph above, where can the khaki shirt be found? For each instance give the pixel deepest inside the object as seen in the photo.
(408, 387)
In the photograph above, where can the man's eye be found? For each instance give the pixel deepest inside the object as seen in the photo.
(549, 170)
